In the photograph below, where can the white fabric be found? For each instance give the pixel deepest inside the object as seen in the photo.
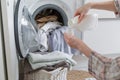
(50, 25)
(42, 41)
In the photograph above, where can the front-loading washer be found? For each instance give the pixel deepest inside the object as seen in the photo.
(33, 7)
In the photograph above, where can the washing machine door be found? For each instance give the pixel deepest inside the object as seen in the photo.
(25, 26)
(36, 6)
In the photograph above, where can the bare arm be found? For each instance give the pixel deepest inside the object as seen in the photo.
(108, 5)
(76, 43)
(82, 11)
(84, 49)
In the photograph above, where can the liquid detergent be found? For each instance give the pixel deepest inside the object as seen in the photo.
(88, 22)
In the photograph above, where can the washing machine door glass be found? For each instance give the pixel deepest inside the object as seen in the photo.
(25, 31)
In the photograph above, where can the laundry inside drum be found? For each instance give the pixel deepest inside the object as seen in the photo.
(48, 15)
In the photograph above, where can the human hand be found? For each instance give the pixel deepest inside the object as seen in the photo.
(72, 40)
(82, 11)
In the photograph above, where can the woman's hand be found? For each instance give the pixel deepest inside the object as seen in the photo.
(106, 5)
(76, 43)
(82, 11)
(72, 40)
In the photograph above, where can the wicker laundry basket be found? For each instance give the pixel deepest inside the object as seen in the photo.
(58, 74)
(78, 75)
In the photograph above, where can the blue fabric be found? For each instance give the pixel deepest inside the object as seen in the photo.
(57, 42)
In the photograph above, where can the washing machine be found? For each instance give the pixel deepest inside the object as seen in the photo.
(30, 8)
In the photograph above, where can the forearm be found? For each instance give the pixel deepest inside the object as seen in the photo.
(84, 49)
(108, 5)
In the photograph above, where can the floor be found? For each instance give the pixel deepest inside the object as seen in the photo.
(82, 62)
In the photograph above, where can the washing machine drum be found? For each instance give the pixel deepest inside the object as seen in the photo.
(26, 27)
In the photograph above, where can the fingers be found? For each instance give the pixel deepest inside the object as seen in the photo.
(76, 13)
(81, 17)
(79, 13)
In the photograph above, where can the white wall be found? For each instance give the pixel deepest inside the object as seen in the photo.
(12, 63)
(105, 38)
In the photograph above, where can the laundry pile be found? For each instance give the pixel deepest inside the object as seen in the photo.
(51, 38)
(42, 21)
(46, 47)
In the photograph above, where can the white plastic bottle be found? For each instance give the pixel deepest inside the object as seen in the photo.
(88, 22)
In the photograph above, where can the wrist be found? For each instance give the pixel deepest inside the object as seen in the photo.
(85, 50)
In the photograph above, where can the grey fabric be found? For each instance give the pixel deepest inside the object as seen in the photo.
(42, 41)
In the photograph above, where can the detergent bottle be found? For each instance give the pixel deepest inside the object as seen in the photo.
(89, 22)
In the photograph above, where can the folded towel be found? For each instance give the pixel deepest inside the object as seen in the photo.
(38, 60)
(52, 56)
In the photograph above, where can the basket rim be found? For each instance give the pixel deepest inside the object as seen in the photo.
(58, 69)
